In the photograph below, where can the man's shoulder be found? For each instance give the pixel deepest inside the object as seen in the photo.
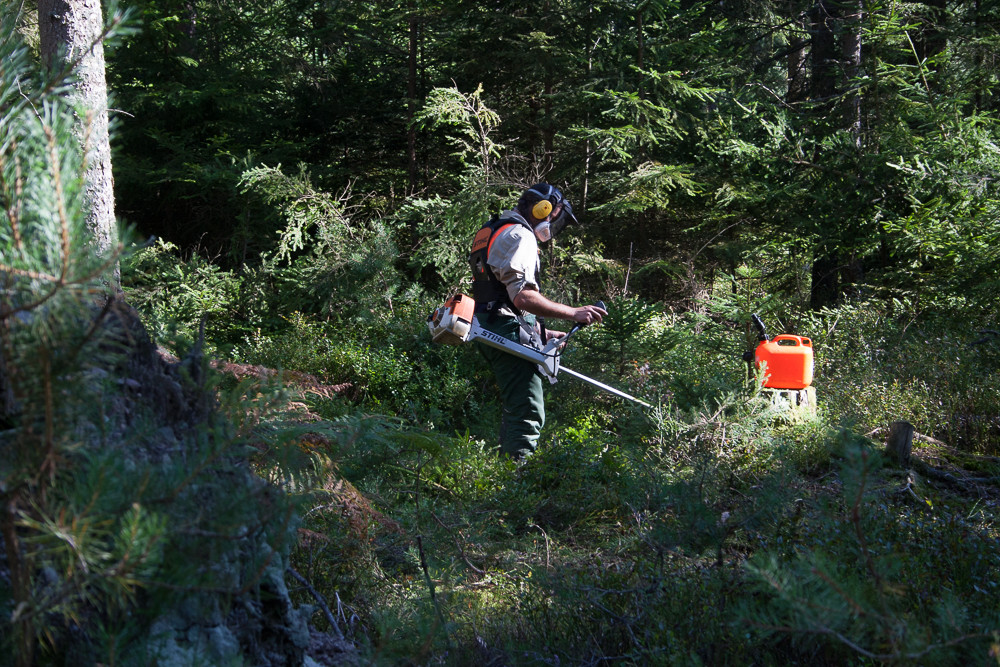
(514, 227)
(514, 246)
(515, 231)
(514, 239)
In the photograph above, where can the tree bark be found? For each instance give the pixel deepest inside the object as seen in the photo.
(823, 81)
(189, 29)
(825, 285)
(850, 49)
(411, 90)
(71, 33)
(899, 444)
(640, 56)
(931, 38)
(795, 74)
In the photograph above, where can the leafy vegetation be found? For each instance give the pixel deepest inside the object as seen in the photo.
(712, 529)
(309, 174)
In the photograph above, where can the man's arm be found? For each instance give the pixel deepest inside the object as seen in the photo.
(532, 301)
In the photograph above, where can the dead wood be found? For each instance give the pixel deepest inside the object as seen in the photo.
(899, 444)
(304, 382)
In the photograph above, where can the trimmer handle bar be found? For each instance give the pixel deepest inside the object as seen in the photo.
(577, 327)
(761, 331)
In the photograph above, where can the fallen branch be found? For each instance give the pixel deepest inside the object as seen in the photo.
(461, 549)
(319, 598)
(963, 482)
(304, 381)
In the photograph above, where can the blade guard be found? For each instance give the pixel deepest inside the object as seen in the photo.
(450, 324)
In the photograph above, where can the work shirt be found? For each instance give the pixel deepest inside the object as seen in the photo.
(514, 259)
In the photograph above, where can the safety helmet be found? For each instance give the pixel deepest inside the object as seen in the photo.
(538, 202)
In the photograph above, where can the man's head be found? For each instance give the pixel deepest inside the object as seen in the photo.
(546, 210)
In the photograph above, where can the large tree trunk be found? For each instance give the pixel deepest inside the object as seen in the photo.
(822, 88)
(411, 91)
(931, 39)
(851, 55)
(823, 83)
(71, 33)
(796, 74)
(825, 285)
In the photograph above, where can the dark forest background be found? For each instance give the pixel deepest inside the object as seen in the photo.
(302, 179)
(848, 143)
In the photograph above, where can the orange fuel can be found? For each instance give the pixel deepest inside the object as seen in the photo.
(789, 361)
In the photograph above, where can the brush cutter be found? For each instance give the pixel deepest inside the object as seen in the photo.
(454, 323)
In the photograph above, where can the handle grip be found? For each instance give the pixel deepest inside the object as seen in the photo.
(761, 331)
(577, 327)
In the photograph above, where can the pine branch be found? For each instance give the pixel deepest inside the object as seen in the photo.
(461, 549)
(20, 579)
(14, 209)
(430, 582)
(856, 520)
(58, 284)
(48, 446)
(854, 646)
(60, 200)
(28, 273)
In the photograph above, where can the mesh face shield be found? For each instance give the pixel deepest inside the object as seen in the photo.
(564, 217)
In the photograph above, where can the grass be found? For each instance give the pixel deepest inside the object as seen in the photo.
(708, 531)
(589, 554)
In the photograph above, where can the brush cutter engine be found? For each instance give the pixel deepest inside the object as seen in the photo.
(451, 323)
(455, 323)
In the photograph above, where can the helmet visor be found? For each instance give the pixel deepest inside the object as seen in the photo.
(563, 218)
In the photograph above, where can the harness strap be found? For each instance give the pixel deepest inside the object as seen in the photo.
(493, 237)
(482, 244)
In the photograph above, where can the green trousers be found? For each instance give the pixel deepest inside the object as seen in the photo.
(521, 392)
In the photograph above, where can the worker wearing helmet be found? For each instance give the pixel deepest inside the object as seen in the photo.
(505, 268)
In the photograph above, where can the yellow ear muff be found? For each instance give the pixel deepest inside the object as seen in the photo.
(541, 210)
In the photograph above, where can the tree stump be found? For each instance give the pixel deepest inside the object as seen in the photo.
(899, 444)
(793, 404)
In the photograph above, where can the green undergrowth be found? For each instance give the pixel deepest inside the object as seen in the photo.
(601, 548)
(879, 362)
(712, 529)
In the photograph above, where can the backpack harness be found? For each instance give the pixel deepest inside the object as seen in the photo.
(488, 292)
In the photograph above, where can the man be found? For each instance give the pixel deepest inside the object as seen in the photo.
(505, 269)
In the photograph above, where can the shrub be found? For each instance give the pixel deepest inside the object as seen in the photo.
(176, 295)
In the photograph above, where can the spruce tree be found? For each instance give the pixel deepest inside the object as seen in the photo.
(49, 276)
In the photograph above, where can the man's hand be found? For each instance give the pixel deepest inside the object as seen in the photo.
(589, 315)
(532, 301)
(550, 334)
